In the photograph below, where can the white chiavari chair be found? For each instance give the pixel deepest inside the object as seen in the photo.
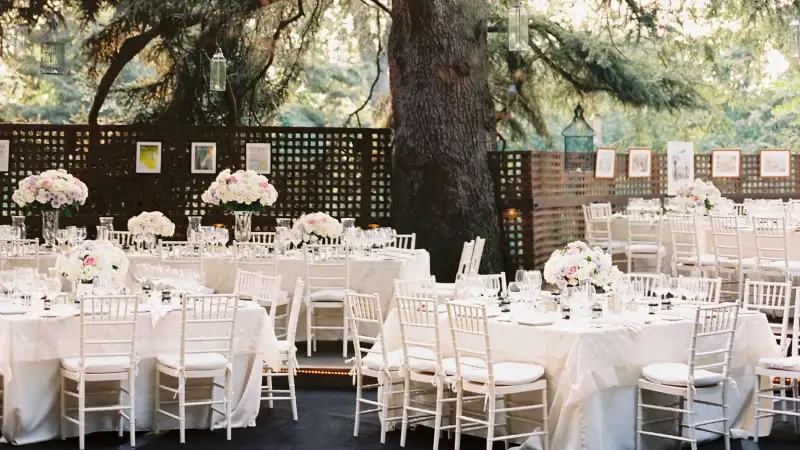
(478, 373)
(122, 238)
(774, 300)
(256, 257)
(447, 290)
(421, 287)
(727, 241)
(597, 220)
(772, 248)
(739, 209)
(373, 360)
(644, 283)
(423, 363)
(107, 354)
(186, 255)
(249, 285)
(645, 238)
(686, 252)
(262, 237)
(405, 241)
(709, 289)
(327, 280)
(495, 282)
(208, 323)
(288, 354)
(710, 348)
(477, 255)
(782, 368)
(19, 252)
(266, 291)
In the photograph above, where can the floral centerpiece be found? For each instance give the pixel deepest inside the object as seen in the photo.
(50, 192)
(155, 223)
(577, 263)
(242, 192)
(90, 260)
(316, 226)
(696, 197)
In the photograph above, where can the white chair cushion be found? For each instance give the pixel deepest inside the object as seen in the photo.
(374, 360)
(747, 263)
(467, 363)
(677, 374)
(506, 374)
(328, 295)
(794, 266)
(195, 361)
(706, 259)
(422, 359)
(284, 347)
(98, 364)
(646, 248)
(791, 363)
(281, 294)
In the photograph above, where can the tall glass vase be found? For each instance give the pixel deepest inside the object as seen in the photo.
(195, 222)
(19, 222)
(243, 226)
(49, 227)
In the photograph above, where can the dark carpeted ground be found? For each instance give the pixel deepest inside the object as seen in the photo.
(326, 423)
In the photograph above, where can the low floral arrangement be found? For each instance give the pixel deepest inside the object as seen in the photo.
(52, 190)
(155, 223)
(92, 259)
(577, 263)
(696, 197)
(243, 190)
(315, 226)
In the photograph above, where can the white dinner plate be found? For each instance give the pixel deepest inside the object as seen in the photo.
(12, 310)
(44, 314)
(536, 322)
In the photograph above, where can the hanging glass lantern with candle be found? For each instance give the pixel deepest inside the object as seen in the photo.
(794, 36)
(518, 28)
(578, 144)
(53, 57)
(219, 72)
(22, 3)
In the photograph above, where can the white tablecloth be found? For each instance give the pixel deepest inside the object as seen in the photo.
(592, 373)
(31, 349)
(373, 275)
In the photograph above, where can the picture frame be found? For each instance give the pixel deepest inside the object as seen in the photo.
(680, 165)
(775, 163)
(148, 157)
(640, 162)
(258, 157)
(605, 161)
(204, 157)
(726, 163)
(5, 154)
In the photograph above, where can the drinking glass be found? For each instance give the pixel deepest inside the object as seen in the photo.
(80, 234)
(62, 237)
(102, 233)
(348, 222)
(107, 222)
(222, 236)
(296, 237)
(689, 288)
(661, 287)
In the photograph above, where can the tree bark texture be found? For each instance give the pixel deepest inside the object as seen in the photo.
(442, 188)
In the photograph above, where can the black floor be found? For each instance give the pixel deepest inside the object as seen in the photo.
(326, 423)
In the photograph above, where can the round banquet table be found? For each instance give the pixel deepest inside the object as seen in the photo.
(31, 349)
(368, 275)
(592, 371)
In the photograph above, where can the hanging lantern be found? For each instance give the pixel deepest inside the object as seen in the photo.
(53, 52)
(22, 3)
(219, 72)
(518, 28)
(794, 44)
(578, 144)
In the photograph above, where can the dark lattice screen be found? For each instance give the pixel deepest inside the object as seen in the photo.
(547, 200)
(345, 172)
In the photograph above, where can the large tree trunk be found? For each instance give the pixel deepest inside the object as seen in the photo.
(442, 188)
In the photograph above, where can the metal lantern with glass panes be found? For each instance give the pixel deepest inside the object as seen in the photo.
(794, 44)
(518, 28)
(578, 144)
(53, 51)
(22, 3)
(219, 72)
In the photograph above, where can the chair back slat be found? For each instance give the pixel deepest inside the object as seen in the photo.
(420, 288)
(100, 312)
(20, 250)
(262, 237)
(714, 329)
(255, 256)
(208, 323)
(772, 244)
(597, 219)
(327, 267)
(466, 258)
(469, 330)
(477, 255)
(122, 238)
(364, 311)
(294, 312)
(419, 327)
(773, 299)
(182, 253)
(405, 241)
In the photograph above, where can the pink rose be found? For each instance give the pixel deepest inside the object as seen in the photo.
(45, 183)
(264, 185)
(324, 220)
(230, 179)
(571, 271)
(312, 222)
(89, 261)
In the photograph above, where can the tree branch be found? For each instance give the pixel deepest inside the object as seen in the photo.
(273, 47)
(380, 5)
(374, 82)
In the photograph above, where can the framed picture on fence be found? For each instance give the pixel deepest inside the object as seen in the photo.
(148, 157)
(775, 163)
(640, 162)
(680, 165)
(726, 163)
(605, 160)
(5, 154)
(204, 157)
(258, 157)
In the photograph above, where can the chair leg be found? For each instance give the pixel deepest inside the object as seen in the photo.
(638, 419)
(726, 422)
(630, 263)
(182, 406)
(437, 420)
(119, 413)
(269, 387)
(406, 395)
(505, 421)
(63, 386)
(309, 326)
(228, 402)
(459, 412)
(384, 389)
(344, 333)
(81, 412)
(756, 407)
(490, 418)
(292, 392)
(679, 443)
(545, 420)
(132, 403)
(359, 394)
(157, 401)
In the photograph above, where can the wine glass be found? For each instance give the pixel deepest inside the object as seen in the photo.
(80, 234)
(62, 237)
(296, 237)
(661, 287)
(138, 239)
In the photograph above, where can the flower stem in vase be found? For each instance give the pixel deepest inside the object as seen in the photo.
(244, 225)
(49, 227)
